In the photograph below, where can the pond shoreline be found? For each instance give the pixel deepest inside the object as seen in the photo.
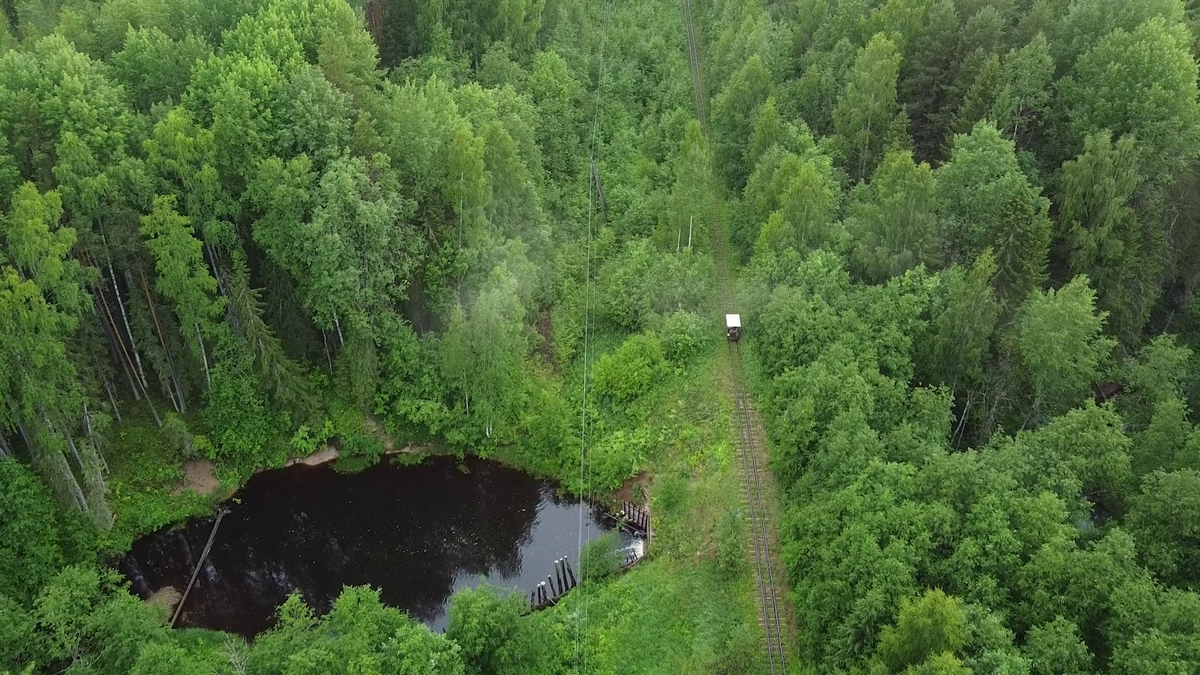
(418, 532)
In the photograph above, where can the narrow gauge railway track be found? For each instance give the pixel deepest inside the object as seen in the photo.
(749, 439)
(756, 485)
(749, 442)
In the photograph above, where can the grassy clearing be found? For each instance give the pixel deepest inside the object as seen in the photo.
(688, 608)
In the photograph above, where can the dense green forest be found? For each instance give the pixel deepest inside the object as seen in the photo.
(967, 247)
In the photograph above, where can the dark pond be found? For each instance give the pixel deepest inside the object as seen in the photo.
(417, 533)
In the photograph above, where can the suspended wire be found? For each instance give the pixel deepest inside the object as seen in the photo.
(584, 472)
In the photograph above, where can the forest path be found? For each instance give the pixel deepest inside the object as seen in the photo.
(757, 485)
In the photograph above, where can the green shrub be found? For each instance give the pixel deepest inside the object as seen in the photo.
(670, 492)
(176, 431)
(358, 446)
(601, 557)
(684, 334)
(616, 458)
(630, 372)
(742, 652)
(731, 542)
(242, 427)
(29, 548)
(305, 441)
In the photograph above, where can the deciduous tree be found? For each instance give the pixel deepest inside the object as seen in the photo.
(895, 221)
(868, 119)
(1060, 334)
(984, 201)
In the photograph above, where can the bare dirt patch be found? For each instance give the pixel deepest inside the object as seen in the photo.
(322, 456)
(635, 490)
(199, 477)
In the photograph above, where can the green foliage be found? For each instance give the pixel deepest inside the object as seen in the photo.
(1121, 252)
(894, 221)
(485, 624)
(1087, 22)
(305, 441)
(555, 93)
(691, 201)
(806, 201)
(232, 199)
(932, 624)
(1160, 370)
(1151, 95)
(483, 352)
(87, 615)
(239, 423)
(684, 336)
(640, 283)
(601, 557)
(868, 119)
(734, 113)
(156, 68)
(359, 634)
(29, 548)
(963, 324)
(1163, 520)
(16, 636)
(617, 457)
(631, 371)
(986, 202)
(164, 659)
(939, 664)
(176, 431)
(1022, 102)
(1061, 342)
(1056, 647)
(183, 277)
(731, 542)
(672, 616)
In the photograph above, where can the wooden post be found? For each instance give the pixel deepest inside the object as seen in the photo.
(203, 556)
(550, 582)
(567, 564)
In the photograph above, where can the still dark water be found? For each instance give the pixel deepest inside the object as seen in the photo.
(417, 533)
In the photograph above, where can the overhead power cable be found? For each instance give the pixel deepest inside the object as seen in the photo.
(584, 474)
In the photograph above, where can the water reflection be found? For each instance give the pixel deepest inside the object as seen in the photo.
(417, 533)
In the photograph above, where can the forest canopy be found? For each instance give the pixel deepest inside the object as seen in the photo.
(966, 244)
